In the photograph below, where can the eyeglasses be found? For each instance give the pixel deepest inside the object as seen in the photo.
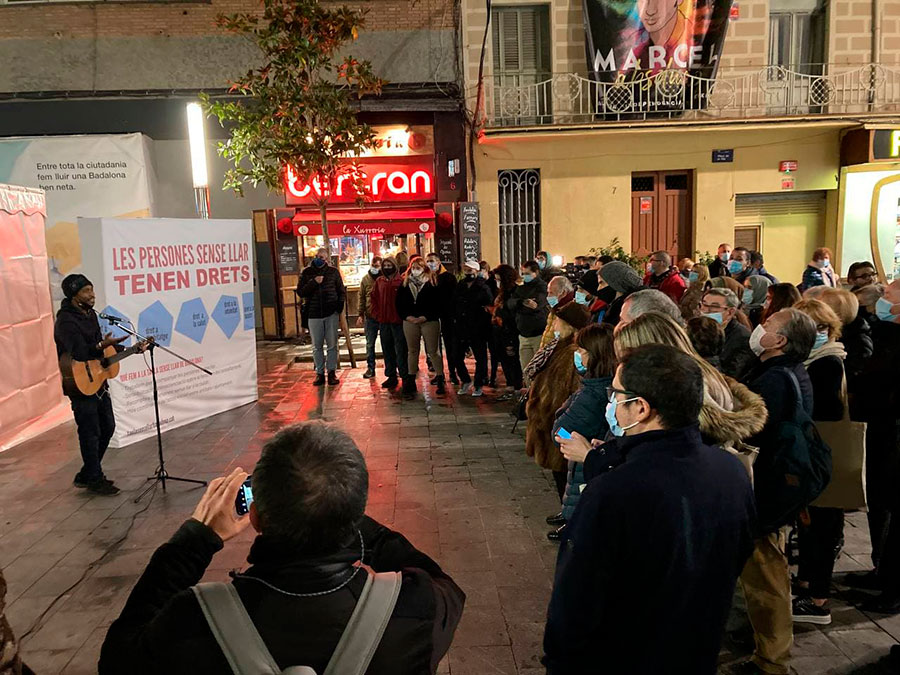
(612, 391)
(865, 275)
(713, 308)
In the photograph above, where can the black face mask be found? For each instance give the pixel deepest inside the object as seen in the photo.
(607, 294)
(387, 271)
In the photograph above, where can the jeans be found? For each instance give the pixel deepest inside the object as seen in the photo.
(766, 582)
(325, 332)
(479, 350)
(819, 543)
(393, 345)
(96, 424)
(431, 332)
(371, 336)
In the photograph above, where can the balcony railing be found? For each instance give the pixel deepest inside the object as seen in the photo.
(569, 98)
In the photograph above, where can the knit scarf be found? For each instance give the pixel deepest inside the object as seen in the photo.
(832, 348)
(416, 284)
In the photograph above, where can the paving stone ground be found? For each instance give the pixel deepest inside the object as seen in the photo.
(446, 471)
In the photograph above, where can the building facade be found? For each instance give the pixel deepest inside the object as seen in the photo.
(742, 146)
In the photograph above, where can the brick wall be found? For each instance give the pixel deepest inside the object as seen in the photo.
(747, 40)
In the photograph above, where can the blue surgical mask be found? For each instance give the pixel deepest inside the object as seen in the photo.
(552, 300)
(579, 364)
(693, 276)
(826, 263)
(580, 298)
(724, 257)
(374, 271)
(433, 266)
(821, 339)
(748, 296)
(715, 316)
(883, 310)
(735, 267)
(542, 263)
(527, 278)
(318, 262)
(556, 334)
(611, 419)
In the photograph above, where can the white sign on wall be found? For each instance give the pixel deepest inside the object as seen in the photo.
(81, 176)
(189, 284)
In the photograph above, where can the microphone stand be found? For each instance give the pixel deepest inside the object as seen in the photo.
(160, 476)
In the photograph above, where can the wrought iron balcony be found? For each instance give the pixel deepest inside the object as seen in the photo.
(521, 99)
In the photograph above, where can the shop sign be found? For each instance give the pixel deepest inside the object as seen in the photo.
(370, 229)
(787, 165)
(886, 144)
(646, 205)
(719, 156)
(735, 12)
(787, 183)
(411, 180)
(401, 140)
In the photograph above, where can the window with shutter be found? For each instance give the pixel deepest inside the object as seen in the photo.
(521, 49)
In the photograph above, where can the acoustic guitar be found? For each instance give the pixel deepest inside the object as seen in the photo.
(87, 377)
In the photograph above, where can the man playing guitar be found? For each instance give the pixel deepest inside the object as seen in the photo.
(77, 333)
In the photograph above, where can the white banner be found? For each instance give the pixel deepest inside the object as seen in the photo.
(82, 176)
(188, 284)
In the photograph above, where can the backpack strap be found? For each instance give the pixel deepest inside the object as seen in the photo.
(798, 393)
(367, 624)
(233, 629)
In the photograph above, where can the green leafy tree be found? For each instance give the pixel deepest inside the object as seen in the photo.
(296, 109)
(615, 250)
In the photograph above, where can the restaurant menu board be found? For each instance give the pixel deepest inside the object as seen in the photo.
(288, 256)
(444, 249)
(470, 231)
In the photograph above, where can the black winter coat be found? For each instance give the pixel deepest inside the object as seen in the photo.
(325, 299)
(162, 628)
(737, 358)
(469, 302)
(446, 285)
(856, 337)
(77, 334)
(530, 322)
(670, 528)
(427, 303)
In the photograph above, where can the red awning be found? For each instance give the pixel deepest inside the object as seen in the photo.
(367, 222)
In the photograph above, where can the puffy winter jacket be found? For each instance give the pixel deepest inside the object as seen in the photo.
(530, 322)
(322, 299)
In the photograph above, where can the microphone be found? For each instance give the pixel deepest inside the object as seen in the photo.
(112, 318)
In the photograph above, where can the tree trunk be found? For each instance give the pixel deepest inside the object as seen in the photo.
(323, 215)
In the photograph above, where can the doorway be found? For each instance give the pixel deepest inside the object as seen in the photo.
(662, 213)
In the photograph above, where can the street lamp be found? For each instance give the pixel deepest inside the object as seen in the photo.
(197, 138)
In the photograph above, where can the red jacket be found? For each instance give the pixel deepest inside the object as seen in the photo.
(671, 283)
(384, 299)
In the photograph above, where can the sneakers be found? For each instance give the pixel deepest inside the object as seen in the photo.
(103, 487)
(477, 391)
(332, 378)
(806, 611)
(369, 374)
(320, 380)
(557, 534)
(390, 383)
(466, 388)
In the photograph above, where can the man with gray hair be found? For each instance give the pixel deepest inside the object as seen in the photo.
(648, 300)
(323, 293)
(560, 292)
(662, 275)
(721, 305)
(782, 344)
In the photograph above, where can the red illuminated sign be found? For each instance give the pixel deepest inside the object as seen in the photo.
(787, 165)
(409, 179)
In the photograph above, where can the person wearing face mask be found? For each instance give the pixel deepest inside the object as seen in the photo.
(419, 305)
(487, 276)
(877, 402)
(390, 324)
(471, 302)
(504, 333)
(698, 279)
(595, 361)
(819, 272)
(822, 537)
(528, 303)
(753, 300)
(782, 344)
(365, 318)
(721, 305)
(322, 289)
(560, 291)
(719, 266)
(670, 527)
(547, 270)
(623, 280)
(739, 265)
(662, 276)
(758, 263)
(596, 298)
(446, 285)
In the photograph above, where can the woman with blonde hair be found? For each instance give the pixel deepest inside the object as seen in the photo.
(419, 305)
(730, 412)
(820, 539)
(697, 284)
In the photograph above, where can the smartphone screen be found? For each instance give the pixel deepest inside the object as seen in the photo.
(562, 433)
(244, 498)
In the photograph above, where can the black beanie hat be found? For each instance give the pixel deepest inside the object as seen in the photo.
(74, 283)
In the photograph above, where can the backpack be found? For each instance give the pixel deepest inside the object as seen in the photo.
(798, 468)
(247, 653)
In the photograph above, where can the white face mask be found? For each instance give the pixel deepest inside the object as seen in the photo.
(416, 272)
(756, 340)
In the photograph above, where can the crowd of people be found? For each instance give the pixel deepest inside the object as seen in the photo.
(676, 412)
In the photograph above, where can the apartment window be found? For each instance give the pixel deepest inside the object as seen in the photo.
(519, 192)
(521, 50)
(797, 35)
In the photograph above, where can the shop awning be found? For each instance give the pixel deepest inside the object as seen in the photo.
(367, 222)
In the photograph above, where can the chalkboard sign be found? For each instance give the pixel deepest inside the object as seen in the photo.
(444, 249)
(469, 218)
(288, 255)
(471, 248)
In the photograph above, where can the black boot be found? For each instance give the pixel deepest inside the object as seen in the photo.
(332, 378)
(320, 380)
(557, 534)
(441, 390)
(390, 383)
(409, 386)
(556, 520)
